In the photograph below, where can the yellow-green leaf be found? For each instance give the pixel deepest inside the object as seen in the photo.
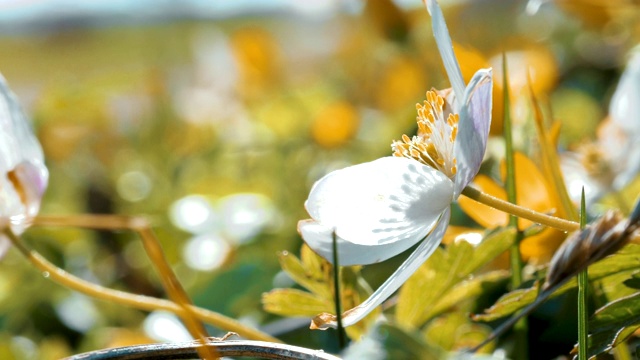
(444, 269)
(610, 271)
(293, 302)
(306, 276)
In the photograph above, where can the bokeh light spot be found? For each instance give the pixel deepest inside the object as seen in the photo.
(193, 214)
(206, 252)
(134, 186)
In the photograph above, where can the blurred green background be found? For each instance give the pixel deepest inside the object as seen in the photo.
(215, 125)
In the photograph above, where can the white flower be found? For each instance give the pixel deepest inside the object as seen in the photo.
(624, 110)
(23, 175)
(381, 208)
(613, 160)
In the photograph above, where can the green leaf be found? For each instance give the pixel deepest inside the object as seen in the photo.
(610, 271)
(620, 313)
(613, 323)
(387, 341)
(494, 244)
(633, 282)
(293, 302)
(467, 289)
(626, 259)
(454, 331)
(445, 269)
(315, 274)
(306, 274)
(508, 304)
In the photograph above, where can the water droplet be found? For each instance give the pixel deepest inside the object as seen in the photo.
(45, 274)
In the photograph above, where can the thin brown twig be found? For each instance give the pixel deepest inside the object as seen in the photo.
(152, 246)
(141, 302)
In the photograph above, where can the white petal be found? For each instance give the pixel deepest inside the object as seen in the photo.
(401, 275)
(384, 201)
(625, 102)
(22, 169)
(319, 238)
(443, 40)
(473, 128)
(630, 169)
(17, 142)
(576, 178)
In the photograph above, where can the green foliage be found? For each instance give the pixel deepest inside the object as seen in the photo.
(444, 279)
(606, 272)
(315, 274)
(455, 331)
(614, 323)
(387, 341)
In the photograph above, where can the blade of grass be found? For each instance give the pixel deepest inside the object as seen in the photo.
(521, 327)
(550, 163)
(583, 293)
(342, 342)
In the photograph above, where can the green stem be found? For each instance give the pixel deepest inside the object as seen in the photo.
(521, 328)
(342, 342)
(583, 314)
(135, 301)
(519, 211)
(583, 294)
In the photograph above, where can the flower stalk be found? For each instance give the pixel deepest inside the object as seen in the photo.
(519, 211)
(521, 327)
(124, 298)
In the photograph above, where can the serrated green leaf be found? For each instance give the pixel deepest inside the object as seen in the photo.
(294, 302)
(633, 282)
(617, 314)
(315, 274)
(454, 331)
(467, 289)
(508, 304)
(491, 246)
(605, 341)
(308, 277)
(610, 271)
(445, 269)
(626, 259)
(316, 267)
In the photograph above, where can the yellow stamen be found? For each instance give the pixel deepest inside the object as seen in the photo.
(433, 145)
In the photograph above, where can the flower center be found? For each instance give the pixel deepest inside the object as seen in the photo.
(433, 145)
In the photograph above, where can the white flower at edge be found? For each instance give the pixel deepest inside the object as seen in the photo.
(613, 160)
(381, 208)
(23, 175)
(624, 109)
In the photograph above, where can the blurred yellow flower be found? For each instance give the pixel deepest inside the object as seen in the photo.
(335, 125)
(402, 84)
(598, 13)
(533, 192)
(257, 57)
(470, 59)
(529, 63)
